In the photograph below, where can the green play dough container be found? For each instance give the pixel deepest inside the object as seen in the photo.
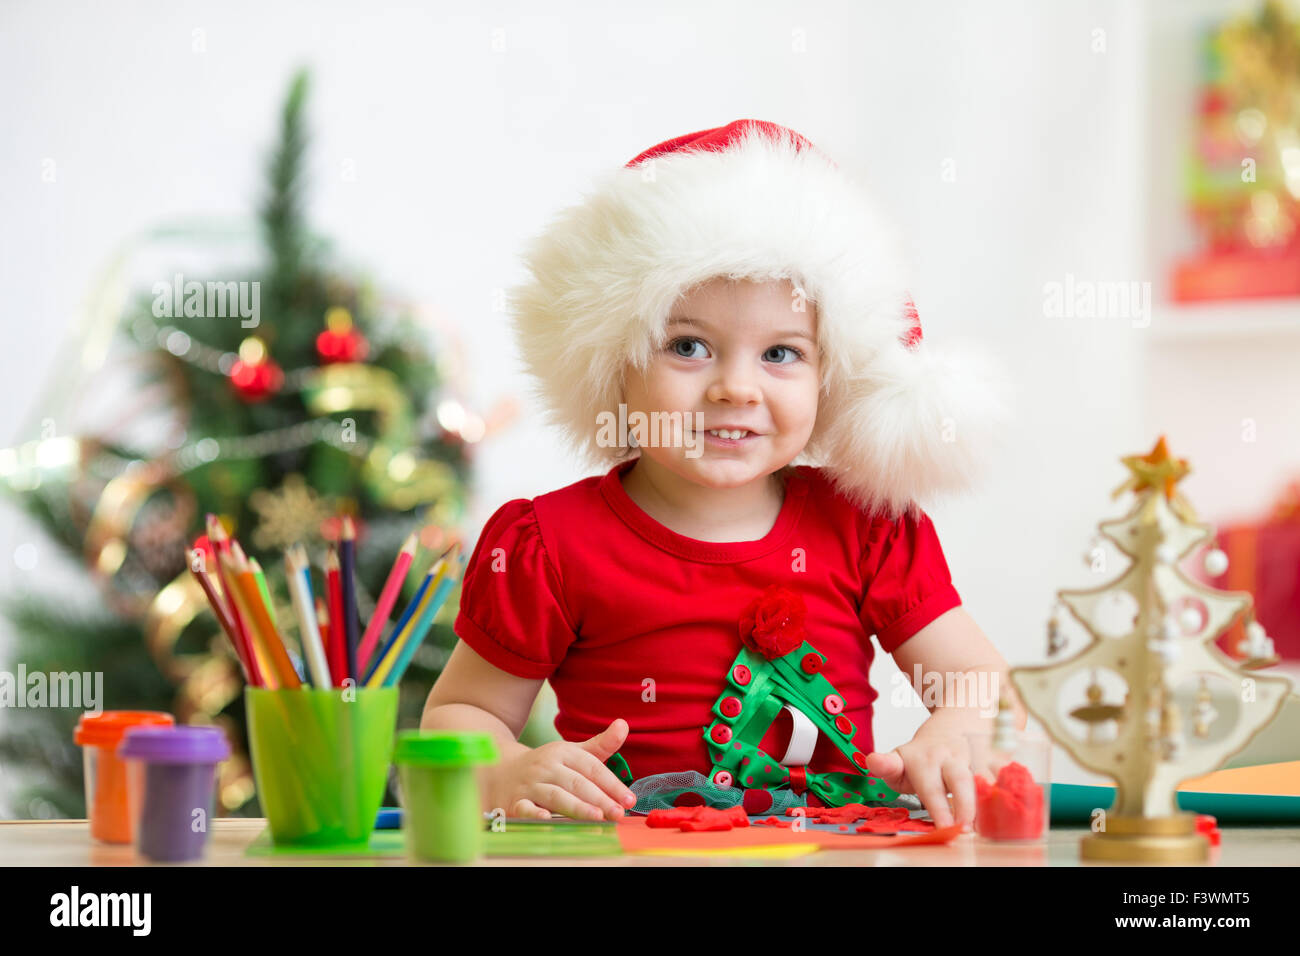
(443, 818)
(320, 761)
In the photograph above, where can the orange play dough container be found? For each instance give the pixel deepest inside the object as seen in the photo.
(99, 735)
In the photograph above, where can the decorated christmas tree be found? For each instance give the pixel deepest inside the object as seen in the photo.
(1241, 177)
(290, 393)
(1153, 632)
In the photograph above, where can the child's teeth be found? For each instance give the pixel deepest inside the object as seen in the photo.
(723, 433)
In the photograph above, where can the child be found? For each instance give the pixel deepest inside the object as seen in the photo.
(737, 286)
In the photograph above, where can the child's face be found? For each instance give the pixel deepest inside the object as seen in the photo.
(744, 354)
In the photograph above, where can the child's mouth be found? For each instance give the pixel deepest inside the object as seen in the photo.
(728, 438)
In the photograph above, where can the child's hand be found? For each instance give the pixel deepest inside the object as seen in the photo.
(561, 777)
(930, 766)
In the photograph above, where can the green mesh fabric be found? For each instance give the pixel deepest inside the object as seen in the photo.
(660, 792)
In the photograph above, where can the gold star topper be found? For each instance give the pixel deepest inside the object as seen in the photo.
(1155, 470)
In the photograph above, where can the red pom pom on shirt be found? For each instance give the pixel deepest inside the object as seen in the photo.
(773, 623)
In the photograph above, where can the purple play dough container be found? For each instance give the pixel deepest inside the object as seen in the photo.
(171, 776)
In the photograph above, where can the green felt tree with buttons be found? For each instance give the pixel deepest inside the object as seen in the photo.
(777, 668)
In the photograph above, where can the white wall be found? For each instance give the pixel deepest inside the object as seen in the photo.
(461, 151)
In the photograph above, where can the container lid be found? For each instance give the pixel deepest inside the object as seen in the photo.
(430, 748)
(175, 744)
(105, 729)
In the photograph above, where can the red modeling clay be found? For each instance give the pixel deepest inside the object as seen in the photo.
(895, 826)
(1011, 808)
(849, 813)
(774, 822)
(874, 819)
(1208, 827)
(695, 819)
(852, 813)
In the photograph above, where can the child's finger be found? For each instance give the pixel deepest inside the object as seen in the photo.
(525, 809)
(960, 782)
(888, 767)
(569, 775)
(559, 800)
(929, 787)
(606, 743)
(586, 763)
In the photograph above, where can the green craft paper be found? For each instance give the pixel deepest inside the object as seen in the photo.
(1074, 803)
(527, 839)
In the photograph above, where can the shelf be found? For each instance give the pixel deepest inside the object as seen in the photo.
(1231, 321)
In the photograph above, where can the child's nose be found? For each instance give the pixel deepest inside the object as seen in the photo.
(734, 384)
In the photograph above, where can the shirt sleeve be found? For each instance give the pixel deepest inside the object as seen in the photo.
(512, 609)
(906, 577)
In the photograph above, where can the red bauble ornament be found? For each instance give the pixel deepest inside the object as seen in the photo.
(203, 545)
(773, 623)
(331, 529)
(341, 347)
(341, 342)
(254, 376)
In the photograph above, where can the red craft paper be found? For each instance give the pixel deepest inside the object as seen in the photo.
(1011, 808)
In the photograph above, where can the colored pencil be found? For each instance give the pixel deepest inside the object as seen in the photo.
(331, 647)
(298, 574)
(387, 598)
(260, 577)
(384, 664)
(336, 649)
(299, 666)
(424, 599)
(246, 587)
(269, 678)
(323, 622)
(422, 627)
(221, 545)
(411, 611)
(348, 583)
(222, 614)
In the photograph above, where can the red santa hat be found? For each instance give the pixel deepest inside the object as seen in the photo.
(896, 422)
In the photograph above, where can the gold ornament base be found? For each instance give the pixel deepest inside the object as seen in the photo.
(1171, 839)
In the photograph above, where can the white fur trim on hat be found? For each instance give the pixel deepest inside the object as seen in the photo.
(895, 424)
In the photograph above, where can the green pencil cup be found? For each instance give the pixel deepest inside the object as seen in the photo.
(320, 760)
(440, 794)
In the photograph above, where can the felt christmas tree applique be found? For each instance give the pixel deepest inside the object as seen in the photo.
(777, 669)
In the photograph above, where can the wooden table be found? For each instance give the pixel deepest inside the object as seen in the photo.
(68, 843)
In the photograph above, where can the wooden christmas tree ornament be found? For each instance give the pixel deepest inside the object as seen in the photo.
(1166, 653)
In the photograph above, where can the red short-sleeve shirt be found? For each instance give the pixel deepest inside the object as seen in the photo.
(630, 619)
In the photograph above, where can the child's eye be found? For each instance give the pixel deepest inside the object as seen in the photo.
(675, 347)
(795, 354)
